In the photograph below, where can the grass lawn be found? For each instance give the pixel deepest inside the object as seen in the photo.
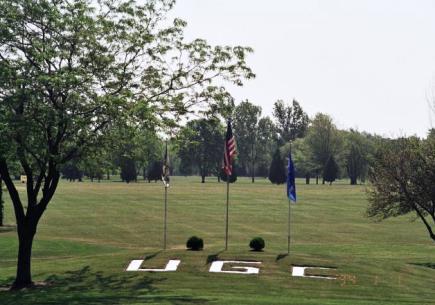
(91, 231)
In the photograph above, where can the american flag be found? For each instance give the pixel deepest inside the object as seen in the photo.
(229, 150)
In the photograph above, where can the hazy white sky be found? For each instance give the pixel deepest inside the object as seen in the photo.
(368, 63)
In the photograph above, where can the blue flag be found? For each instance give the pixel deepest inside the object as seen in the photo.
(291, 186)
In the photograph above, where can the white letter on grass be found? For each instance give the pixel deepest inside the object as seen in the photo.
(299, 271)
(172, 265)
(216, 266)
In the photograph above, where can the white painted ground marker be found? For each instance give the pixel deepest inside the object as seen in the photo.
(216, 266)
(299, 271)
(134, 265)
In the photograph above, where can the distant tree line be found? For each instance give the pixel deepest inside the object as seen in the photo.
(319, 149)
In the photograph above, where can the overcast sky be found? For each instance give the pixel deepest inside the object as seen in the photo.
(370, 64)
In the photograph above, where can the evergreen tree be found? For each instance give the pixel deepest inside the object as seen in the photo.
(72, 172)
(277, 173)
(155, 171)
(330, 172)
(128, 170)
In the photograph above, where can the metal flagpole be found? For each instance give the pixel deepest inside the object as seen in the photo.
(165, 179)
(166, 216)
(288, 239)
(226, 218)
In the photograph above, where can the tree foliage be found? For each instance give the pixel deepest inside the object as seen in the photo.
(403, 181)
(291, 121)
(72, 172)
(323, 140)
(356, 149)
(128, 169)
(302, 156)
(155, 171)
(246, 129)
(277, 173)
(266, 141)
(70, 69)
(200, 144)
(331, 170)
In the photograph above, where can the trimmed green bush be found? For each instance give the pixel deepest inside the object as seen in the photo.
(257, 244)
(195, 243)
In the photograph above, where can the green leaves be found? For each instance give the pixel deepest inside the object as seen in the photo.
(402, 177)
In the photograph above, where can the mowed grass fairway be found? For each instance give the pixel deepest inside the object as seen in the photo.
(91, 231)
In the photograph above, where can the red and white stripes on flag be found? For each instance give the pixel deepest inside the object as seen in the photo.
(229, 150)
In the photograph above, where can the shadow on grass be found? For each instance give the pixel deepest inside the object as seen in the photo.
(85, 286)
(427, 265)
(148, 257)
(281, 256)
(213, 257)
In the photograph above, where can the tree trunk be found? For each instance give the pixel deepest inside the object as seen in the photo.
(27, 219)
(323, 180)
(202, 178)
(24, 276)
(1, 203)
(307, 179)
(317, 179)
(353, 181)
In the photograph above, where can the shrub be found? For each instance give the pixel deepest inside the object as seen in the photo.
(257, 244)
(195, 243)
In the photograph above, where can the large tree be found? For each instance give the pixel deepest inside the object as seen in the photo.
(291, 120)
(323, 140)
(356, 150)
(266, 142)
(246, 117)
(301, 155)
(69, 69)
(403, 181)
(200, 144)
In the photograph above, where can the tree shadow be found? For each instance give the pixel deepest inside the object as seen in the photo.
(85, 286)
(150, 256)
(213, 257)
(427, 265)
(281, 256)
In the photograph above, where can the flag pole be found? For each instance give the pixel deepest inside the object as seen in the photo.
(166, 218)
(288, 236)
(289, 202)
(226, 216)
(229, 152)
(165, 179)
